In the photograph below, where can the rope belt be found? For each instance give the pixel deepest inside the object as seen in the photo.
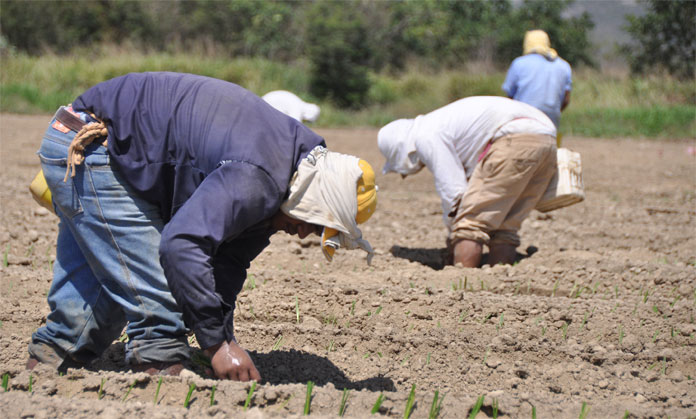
(86, 134)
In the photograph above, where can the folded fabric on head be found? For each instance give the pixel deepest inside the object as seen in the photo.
(336, 191)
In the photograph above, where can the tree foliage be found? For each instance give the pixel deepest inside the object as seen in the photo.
(664, 38)
(343, 39)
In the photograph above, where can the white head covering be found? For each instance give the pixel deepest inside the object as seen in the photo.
(291, 105)
(323, 192)
(399, 147)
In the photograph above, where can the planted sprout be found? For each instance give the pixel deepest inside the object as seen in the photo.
(5, 381)
(344, 402)
(278, 343)
(565, 330)
(159, 384)
(436, 405)
(534, 412)
(188, 396)
(250, 394)
(31, 383)
(297, 310)
(378, 403)
(584, 411)
(129, 390)
(477, 407)
(501, 322)
(5, 260)
(495, 408)
(409, 402)
(308, 399)
(100, 393)
(212, 395)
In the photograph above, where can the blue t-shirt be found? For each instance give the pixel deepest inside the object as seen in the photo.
(540, 82)
(217, 160)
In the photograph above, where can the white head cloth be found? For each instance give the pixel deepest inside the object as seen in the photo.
(323, 192)
(399, 147)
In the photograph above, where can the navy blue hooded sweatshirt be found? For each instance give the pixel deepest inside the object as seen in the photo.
(217, 160)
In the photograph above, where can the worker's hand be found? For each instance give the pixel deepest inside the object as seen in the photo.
(231, 361)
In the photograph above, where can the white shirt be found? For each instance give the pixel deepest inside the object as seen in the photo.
(291, 105)
(449, 140)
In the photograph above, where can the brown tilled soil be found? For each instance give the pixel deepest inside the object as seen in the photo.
(598, 314)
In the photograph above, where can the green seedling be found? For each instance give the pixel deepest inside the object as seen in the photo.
(129, 390)
(477, 407)
(200, 359)
(308, 398)
(251, 282)
(5, 382)
(188, 396)
(278, 343)
(485, 319)
(250, 394)
(409, 402)
(31, 383)
(627, 414)
(159, 385)
(495, 408)
(427, 359)
(584, 410)
(436, 405)
(352, 308)
(664, 365)
(297, 310)
(483, 286)
(285, 403)
(622, 334)
(534, 412)
(405, 360)
(100, 393)
(378, 310)
(584, 322)
(555, 287)
(212, 395)
(565, 330)
(344, 402)
(543, 330)
(572, 290)
(485, 357)
(501, 321)
(616, 291)
(378, 404)
(5, 260)
(331, 346)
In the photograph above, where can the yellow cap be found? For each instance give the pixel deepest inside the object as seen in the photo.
(367, 203)
(367, 193)
(40, 192)
(537, 41)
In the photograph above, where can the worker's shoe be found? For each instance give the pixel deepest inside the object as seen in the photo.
(159, 368)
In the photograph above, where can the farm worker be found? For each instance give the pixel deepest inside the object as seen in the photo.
(492, 159)
(161, 216)
(540, 77)
(291, 105)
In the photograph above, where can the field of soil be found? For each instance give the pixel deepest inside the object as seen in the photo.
(596, 318)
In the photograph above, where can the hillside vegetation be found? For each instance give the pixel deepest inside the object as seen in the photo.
(602, 105)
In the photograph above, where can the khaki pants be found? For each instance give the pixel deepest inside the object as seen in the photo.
(504, 188)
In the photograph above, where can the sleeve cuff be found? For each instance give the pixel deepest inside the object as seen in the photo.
(209, 333)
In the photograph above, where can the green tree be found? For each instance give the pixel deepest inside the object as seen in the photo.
(569, 35)
(665, 37)
(339, 54)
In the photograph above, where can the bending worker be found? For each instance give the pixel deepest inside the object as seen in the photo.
(166, 195)
(492, 159)
(540, 77)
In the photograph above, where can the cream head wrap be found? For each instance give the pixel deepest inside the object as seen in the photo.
(336, 191)
(399, 147)
(537, 41)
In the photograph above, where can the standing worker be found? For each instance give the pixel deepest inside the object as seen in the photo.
(167, 181)
(540, 77)
(492, 159)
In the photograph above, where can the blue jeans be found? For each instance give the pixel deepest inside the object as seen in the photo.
(107, 273)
